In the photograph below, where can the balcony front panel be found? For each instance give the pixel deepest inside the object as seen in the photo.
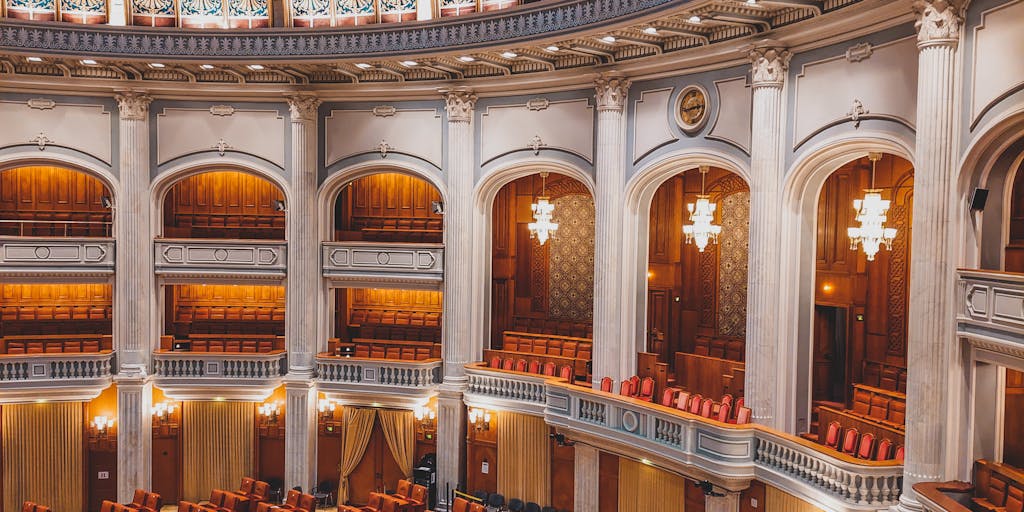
(64, 376)
(378, 380)
(221, 258)
(730, 455)
(990, 311)
(375, 264)
(205, 376)
(31, 256)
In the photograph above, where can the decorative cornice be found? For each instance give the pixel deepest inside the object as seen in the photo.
(459, 102)
(611, 91)
(769, 66)
(938, 22)
(303, 107)
(133, 104)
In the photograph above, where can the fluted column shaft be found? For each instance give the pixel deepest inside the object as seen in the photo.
(458, 348)
(931, 334)
(587, 472)
(614, 353)
(766, 169)
(301, 295)
(134, 296)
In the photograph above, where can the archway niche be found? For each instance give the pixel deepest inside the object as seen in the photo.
(224, 204)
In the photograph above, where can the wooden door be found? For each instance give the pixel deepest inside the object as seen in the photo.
(166, 477)
(377, 472)
(1013, 443)
(829, 371)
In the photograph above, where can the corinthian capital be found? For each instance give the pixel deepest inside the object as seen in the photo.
(938, 22)
(769, 66)
(459, 102)
(133, 104)
(303, 107)
(611, 91)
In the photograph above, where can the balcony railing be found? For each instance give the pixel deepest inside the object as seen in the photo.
(378, 377)
(195, 375)
(60, 375)
(255, 258)
(733, 453)
(990, 311)
(416, 265)
(65, 256)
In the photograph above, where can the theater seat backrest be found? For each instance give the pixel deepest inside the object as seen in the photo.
(307, 502)
(376, 501)
(139, 498)
(28, 506)
(476, 507)
(153, 501)
(460, 505)
(292, 499)
(1015, 499)
(419, 494)
(743, 416)
(404, 488)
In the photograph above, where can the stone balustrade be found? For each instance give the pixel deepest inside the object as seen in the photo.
(378, 379)
(729, 455)
(59, 375)
(205, 375)
(990, 311)
(369, 263)
(56, 256)
(221, 258)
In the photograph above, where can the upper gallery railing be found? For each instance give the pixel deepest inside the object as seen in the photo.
(808, 470)
(990, 310)
(57, 369)
(56, 255)
(370, 262)
(231, 257)
(377, 377)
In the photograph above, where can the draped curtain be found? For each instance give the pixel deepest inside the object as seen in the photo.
(42, 455)
(218, 440)
(358, 427)
(775, 499)
(644, 488)
(400, 432)
(524, 458)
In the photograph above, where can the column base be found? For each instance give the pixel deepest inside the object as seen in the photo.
(907, 504)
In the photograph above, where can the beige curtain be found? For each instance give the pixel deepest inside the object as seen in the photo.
(218, 441)
(358, 427)
(400, 431)
(524, 458)
(778, 500)
(644, 488)
(42, 445)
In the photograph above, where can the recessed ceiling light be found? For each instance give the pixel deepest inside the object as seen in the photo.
(410, 63)
(88, 62)
(509, 55)
(651, 30)
(694, 19)
(363, 65)
(156, 65)
(206, 66)
(34, 59)
(751, 2)
(466, 58)
(608, 39)
(552, 48)
(256, 67)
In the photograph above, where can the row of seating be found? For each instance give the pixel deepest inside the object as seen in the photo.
(889, 407)
(997, 487)
(56, 312)
(733, 349)
(396, 333)
(483, 500)
(398, 224)
(579, 367)
(884, 375)
(184, 219)
(231, 343)
(550, 344)
(409, 497)
(554, 327)
(532, 366)
(295, 501)
(190, 313)
(249, 497)
(863, 446)
(30, 506)
(56, 344)
(142, 501)
(360, 317)
(385, 349)
(633, 387)
(727, 410)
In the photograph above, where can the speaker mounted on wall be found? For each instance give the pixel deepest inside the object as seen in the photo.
(978, 199)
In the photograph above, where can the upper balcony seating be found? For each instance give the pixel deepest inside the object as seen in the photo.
(226, 226)
(234, 319)
(555, 327)
(143, 501)
(393, 324)
(997, 488)
(712, 376)
(55, 223)
(733, 349)
(53, 319)
(531, 366)
(227, 343)
(866, 445)
(385, 349)
(885, 376)
(561, 350)
(29, 506)
(386, 229)
(56, 344)
(889, 407)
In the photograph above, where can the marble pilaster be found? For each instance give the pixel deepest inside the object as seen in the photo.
(728, 503)
(586, 480)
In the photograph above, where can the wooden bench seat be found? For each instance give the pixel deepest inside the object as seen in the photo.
(553, 327)
(56, 344)
(885, 406)
(997, 487)
(733, 349)
(884, 375)
(386, 349)
(709, 376)
(228, 343)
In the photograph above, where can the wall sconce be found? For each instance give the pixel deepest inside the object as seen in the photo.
(270, 411)
(480, 418)
(422, 412)
(326, 408)
(163, 410)
(102, 424)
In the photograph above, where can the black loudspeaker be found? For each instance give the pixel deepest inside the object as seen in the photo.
(978, 199)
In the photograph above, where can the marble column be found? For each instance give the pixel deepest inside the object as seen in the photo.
(768, 75)
(458, 347)
(134, 296)
(614, 352)
(301, 295)
(586, 480)
(728, 503)
(931, 335)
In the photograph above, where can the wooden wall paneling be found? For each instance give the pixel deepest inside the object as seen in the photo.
(752, 498)
(328, 451)
(563, 471)
(481, 453)
(608, 477)
(223, 204)
(1013, 444)
(694, 497)
(389, 201)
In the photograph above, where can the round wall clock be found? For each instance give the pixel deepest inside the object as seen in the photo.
(692, 109)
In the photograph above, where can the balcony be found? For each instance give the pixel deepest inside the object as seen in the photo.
(64, 376)
(213, 375)
(379, 264)
(729, 455)
(57, 257)
(990, 311)
(231, 259)
(372, 380)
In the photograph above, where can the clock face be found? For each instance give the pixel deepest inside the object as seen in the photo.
(692, 109)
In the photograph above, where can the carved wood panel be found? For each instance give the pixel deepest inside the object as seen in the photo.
(224, 204)
(45, 193)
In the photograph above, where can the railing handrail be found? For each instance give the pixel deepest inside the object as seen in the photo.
(58, 356)
(107, 225)
(221, 241)
(404, 363)
(246, 356)
(364, 243)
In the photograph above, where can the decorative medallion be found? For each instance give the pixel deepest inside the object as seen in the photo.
(692, 109)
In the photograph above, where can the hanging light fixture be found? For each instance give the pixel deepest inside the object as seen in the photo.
(542, 228)
(871, 211)
(702, 214)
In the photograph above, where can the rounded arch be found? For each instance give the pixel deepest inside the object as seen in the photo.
(800, 193)
(167, 179)
(25, 159)
(639, 195)
(329, 189)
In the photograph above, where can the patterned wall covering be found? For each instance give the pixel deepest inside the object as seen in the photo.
(732, 273)
(571, 277)
(200, 13)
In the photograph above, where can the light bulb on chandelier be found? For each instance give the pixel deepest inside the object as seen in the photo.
(871, 213)
(702, 215)
(542, 228)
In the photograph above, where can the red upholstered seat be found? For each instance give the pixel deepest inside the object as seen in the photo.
(404, 489)
(476, 507)
(832, 435)
(899, 453)
(606, 384)
(460, 505)
(521, 365)
(549, 369)
(705, 407)
(507, 364)
(646, 391)
(884, 451)
(866, 446)
(566, 373)
(668, 397)
(683, 400)
(743, 416)
(850, 437)
(723, 413)
(695, 402)
(626, 388)
(534, 366)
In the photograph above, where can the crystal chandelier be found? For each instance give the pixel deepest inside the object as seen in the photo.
(543, 228)
(702, 214)
(871, 211)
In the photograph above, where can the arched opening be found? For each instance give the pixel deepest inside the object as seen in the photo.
(858, 371)
(542, 293)
(224, 204)
(50, 201)
(697, 295)
(388, 207)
